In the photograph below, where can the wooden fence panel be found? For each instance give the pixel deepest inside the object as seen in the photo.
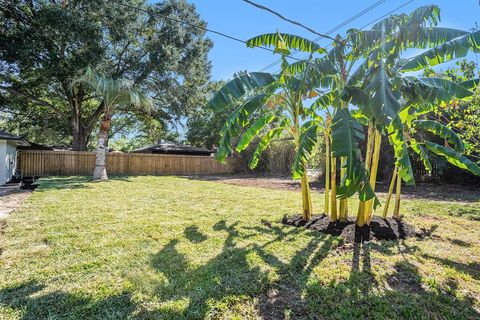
(66, 163)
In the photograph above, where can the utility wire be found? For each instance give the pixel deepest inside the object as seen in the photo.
(370, 23)
(334, 29)
(322, 35)
(196, 26)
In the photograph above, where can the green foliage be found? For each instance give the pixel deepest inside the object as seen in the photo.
(46, 44)
(285, 41)
(263, 144)
(400, 147)
(345, 133)
(453, 49)
(306, 145)
(240, 86)
(454, 157)
(253, 131)
(441, 131)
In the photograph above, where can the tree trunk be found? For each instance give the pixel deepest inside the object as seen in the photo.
(79, 138)
(368, 163)
(390, 191)
(100, 172)
(327, 173)
(333, 195)
(306, 197)
(343, 210)
(396, 210)
(373, 174)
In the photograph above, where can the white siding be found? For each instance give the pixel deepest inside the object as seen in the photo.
(8, 161)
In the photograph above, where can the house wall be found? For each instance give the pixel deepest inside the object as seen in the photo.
(8, 161)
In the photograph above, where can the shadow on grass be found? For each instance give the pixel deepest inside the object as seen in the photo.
(246, 276)
(195, 236)
(74, 182)
(293, 292)
(28, 299)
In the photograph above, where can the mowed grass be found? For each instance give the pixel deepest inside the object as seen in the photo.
(177, 248)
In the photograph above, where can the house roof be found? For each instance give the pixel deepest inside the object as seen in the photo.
(10, 137)
(173, 148)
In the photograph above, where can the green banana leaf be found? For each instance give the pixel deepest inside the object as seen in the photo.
(442, 131)
(253, 131)
(289, 40)
(308, 140)
(453, 49)
(455, 158)
(239, 87)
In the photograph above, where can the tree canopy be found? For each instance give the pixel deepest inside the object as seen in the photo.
(46, 44)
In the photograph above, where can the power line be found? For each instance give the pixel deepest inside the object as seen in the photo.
(290, 20)
(334, 29)
(370, 23)
(200, 27)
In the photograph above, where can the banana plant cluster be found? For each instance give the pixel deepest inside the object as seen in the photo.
(364, 90)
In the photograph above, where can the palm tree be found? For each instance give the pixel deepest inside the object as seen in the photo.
(114, 95)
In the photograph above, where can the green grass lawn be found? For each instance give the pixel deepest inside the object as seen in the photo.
(175, 248)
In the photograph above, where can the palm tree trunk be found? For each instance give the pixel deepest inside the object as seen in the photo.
(396, 210)
(327, 174)
(390, 191)
(100, 172)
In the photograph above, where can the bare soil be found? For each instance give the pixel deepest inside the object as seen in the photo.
(11, 200)
(379, 229)
(431, 191)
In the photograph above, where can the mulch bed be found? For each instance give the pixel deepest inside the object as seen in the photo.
(379, 229)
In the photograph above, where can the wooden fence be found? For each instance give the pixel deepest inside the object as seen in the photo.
(66, 163)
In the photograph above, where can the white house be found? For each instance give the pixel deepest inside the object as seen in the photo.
(8, 155)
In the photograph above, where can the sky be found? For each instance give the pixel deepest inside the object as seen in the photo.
(241, 20)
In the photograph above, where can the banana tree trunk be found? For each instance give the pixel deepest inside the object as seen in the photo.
(368, 162)
(327, 174)
(100, 172)
(396, 210)
(333, 196)
(307, 199)
(343, 210)
(390, 191)
(373, 174)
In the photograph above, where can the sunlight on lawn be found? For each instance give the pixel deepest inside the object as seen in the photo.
(178, 248)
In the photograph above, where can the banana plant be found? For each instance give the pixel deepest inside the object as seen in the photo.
(382, 89)
(271, 105)
(452, 150)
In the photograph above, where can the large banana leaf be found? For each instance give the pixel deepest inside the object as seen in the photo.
(308, 140)
(238, 87)
(470, 84)
(422, 154)
(436, 90)
(383, 104)
(455, 158)
(284, 39)
(345, 132)
(400, 147)
(441, 131)
(263, 144)
(453, 49)
(254, 130)
(238, 119)
(323, 66)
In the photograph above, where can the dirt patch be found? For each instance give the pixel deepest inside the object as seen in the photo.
(431, 191)
(11, 200)
(379, 229)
